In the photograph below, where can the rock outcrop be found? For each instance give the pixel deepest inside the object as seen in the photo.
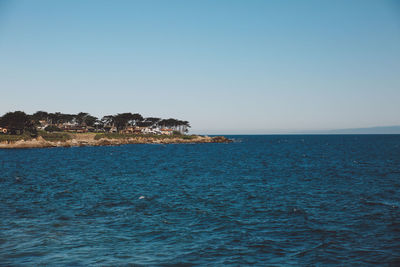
(89, 140)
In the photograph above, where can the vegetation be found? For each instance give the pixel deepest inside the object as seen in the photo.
(61, 136)
(13, 138)
(125, 136)
(126, 119)
(55, 137)
(114, 136)
(19, 122)
(52, 128)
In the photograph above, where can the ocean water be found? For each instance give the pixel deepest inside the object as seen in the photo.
(262, 200)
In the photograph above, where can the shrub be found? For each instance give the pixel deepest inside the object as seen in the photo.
(13, 138)
(55, 136)
(52, 128)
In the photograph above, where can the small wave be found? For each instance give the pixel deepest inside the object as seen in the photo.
(382, 203)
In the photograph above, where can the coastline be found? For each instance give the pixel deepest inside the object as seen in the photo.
(77, 140)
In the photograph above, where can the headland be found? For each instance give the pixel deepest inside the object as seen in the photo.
(43, 129)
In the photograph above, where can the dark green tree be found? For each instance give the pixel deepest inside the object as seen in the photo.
(17, 122)
(80, 117)
(90, 120)
(135, 119)
(152, 121)
(40, 115)
(108, 120)
(121, 120)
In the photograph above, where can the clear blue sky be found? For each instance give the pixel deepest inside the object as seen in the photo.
(225, 66)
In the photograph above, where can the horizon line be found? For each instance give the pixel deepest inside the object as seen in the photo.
(391, 129)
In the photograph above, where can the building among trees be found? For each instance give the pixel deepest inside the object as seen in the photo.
(19, 122)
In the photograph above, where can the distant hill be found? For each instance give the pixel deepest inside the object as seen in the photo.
(369, 130)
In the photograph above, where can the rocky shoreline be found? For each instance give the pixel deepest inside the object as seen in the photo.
(89, 140)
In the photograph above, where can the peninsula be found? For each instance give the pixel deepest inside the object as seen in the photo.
(42, 129)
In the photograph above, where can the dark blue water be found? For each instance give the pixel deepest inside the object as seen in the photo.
(265, 200)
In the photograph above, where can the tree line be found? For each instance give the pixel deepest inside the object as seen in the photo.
(18, 122)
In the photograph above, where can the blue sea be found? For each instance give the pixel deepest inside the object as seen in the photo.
(261, 200)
